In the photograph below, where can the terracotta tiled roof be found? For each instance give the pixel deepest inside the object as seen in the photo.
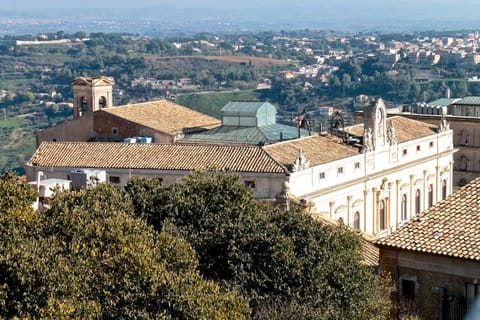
(235, 158)
(405, 129)
(164, 116)
(317, 150)
(450, 228)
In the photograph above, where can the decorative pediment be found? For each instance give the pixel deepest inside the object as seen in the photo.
(341, 208)
(444, 170)
(357, 203)
(404, 186)
(93, 82)
(81, 81)
(431, 177)
(301, 162)
(418, 181)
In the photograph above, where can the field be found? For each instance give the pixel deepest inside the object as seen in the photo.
(10, 123)
(17, 144)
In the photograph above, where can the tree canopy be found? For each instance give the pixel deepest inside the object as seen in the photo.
(203, 248)
(88, 257)
(285, 259)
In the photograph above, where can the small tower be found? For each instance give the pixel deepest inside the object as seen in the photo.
(91, 94)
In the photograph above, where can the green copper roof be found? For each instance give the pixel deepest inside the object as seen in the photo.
(248, 135)
(472, 100)
(443, 102)
(248, 108)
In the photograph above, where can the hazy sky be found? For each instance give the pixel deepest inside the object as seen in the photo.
(30, 4)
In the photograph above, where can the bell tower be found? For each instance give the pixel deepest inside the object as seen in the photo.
(91, 94)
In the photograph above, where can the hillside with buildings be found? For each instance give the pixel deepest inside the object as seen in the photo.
(298, 71)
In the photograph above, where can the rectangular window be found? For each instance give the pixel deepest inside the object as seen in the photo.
(431, 144)
(114, 179)
(408, 288)
(340, 170)
(321, 175)
(250, 183)
(115, 131)
(357, 165)
(405, 152)
(418, 148)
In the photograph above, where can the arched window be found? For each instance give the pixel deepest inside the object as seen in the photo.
(417, 201)
(102, 102)
(430, 195)
(383, 222)
(404, 207)
(83, 106)
(444, 189)
(462, 163)
(356, 220)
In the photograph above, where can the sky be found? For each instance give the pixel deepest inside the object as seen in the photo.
(366, 14)
(34, 4)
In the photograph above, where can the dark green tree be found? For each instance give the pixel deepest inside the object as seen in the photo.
(285, 259)
(88, 257)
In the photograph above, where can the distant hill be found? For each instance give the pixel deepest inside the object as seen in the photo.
(406, 15)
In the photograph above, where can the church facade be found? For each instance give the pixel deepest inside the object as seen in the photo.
(403, 168)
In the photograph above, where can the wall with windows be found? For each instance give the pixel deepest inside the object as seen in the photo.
(377, 191)
(431, 286)
(264, 185)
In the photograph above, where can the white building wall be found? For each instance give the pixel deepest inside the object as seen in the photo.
(385, 174)
(265, 185)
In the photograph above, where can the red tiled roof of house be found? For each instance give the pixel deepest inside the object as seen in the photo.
(450, 228)
(164, 116)
(234, 158)
(405, 129)
(317, 150)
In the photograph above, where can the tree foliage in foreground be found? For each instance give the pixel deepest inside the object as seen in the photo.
(289, 265)
(88, 257)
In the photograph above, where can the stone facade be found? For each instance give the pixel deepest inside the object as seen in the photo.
(108, 127)
(431, 286)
